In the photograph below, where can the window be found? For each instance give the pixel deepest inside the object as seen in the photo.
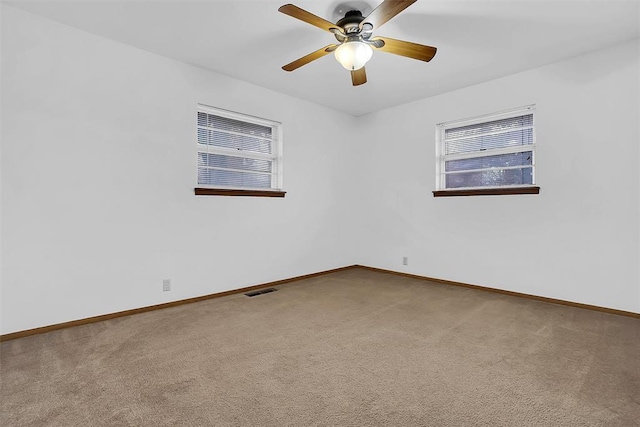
(238, 154)
(493, 154)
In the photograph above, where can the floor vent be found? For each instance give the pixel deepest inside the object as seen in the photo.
(260, 292)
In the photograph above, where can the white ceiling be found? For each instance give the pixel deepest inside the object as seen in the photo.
(477, 40)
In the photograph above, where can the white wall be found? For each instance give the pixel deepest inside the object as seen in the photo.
(99, 169)
(1, 145)
(578, 240)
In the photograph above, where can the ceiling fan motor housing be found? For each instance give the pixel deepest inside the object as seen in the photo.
(351, 21)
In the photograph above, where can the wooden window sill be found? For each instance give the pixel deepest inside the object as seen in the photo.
(487, 191)
(232, 192)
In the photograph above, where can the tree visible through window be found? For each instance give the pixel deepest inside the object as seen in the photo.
(487, 152)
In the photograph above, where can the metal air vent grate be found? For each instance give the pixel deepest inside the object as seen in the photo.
(260, 292)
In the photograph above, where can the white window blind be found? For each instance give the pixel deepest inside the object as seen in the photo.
(491, 151)
(238, 151)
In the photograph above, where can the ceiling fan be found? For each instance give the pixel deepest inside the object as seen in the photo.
(354, 34)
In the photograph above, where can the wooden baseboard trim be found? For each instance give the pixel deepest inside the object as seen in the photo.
(510, 293)
(79, 322)
(100, 318)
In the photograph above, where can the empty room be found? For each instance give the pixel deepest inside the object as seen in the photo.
(326, 213)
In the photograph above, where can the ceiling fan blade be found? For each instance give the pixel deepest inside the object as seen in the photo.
(408, 49)
(358, 77)
(310, 57)
(308, 17)
(385, 11)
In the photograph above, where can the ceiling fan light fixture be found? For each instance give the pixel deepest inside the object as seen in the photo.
(353, 33)
(353, 55)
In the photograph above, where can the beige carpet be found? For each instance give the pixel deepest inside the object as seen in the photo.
(353, 348)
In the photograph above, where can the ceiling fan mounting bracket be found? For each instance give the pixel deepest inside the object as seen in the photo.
(340, 9)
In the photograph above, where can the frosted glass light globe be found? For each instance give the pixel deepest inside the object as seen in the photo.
(353, 55)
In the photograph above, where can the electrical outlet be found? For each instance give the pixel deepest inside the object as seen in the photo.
(166, 285)
(405, 260)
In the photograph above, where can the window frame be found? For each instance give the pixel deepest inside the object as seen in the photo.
(441, 157)
(276, 157)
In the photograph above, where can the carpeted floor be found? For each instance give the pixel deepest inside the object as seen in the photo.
(353, 348)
